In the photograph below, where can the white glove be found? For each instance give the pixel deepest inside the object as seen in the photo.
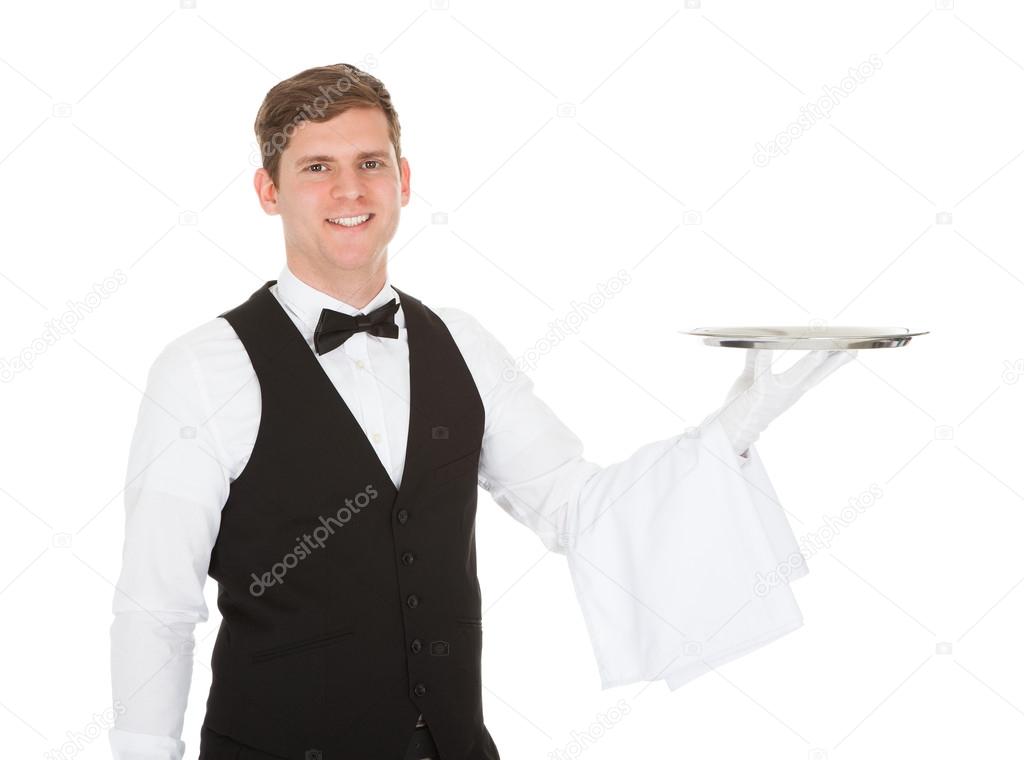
(758, 396)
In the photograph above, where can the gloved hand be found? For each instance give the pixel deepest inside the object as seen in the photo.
(758, 396)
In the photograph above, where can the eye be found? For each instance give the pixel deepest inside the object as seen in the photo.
(373, 161)
(312, 165)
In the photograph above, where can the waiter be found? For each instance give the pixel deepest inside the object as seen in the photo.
(317, 450)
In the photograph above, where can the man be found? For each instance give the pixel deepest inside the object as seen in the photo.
(317, 450)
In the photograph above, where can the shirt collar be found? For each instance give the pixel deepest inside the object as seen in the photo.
(306, 302)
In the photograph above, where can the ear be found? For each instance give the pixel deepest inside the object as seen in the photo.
(266, 191)
(403, 167)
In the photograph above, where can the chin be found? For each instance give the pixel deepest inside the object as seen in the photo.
(349, 261)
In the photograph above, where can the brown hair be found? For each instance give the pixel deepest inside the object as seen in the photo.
(316, 95)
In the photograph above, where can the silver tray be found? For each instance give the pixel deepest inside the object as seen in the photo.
(804, 337)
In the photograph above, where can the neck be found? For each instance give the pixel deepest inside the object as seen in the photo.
(355, 287)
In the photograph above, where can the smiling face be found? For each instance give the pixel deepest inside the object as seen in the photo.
(342, 169)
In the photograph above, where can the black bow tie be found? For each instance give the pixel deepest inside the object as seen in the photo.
(334, 328)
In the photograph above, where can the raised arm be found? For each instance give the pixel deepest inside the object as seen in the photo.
(667, 549)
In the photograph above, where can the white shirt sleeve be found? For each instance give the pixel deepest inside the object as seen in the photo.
(176, 485)
(530, 462)
(680, 555)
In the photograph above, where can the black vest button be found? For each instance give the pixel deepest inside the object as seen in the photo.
(408, 558)
(403, 516)
(419, 690)
(416, 646)
(413, 601)
(314, 754)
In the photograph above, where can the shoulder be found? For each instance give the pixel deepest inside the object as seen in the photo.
(461, 324)
(197, 367)
(203, 349)
(486, 356)
(203, 378)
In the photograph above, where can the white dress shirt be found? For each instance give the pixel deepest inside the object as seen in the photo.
(664, 548)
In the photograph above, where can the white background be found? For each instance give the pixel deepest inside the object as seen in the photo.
(900, 208)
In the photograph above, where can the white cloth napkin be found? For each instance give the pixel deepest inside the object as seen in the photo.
(674, 585)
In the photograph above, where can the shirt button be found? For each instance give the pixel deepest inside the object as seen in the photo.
(408, 558)
(413, 601)
(376, 437)
(359, 363)
(416, 646)
(419, 690)
(403, 516)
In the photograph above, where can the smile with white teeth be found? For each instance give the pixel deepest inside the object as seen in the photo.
(350, 221)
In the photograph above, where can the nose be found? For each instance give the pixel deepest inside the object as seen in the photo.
(347, 185)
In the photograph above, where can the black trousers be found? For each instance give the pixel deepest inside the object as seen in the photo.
(214, 746)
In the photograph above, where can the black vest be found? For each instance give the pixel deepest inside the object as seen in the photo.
(349, 606)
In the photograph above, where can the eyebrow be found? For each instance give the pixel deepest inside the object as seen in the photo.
(364, 155)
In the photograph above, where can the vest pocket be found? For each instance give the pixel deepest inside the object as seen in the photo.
(470, 622)
(460, 466)
(298, 646)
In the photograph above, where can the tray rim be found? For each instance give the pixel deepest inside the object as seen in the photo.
(894, 339)
(724, 332)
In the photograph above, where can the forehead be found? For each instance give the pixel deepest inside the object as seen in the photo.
(355, 132)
